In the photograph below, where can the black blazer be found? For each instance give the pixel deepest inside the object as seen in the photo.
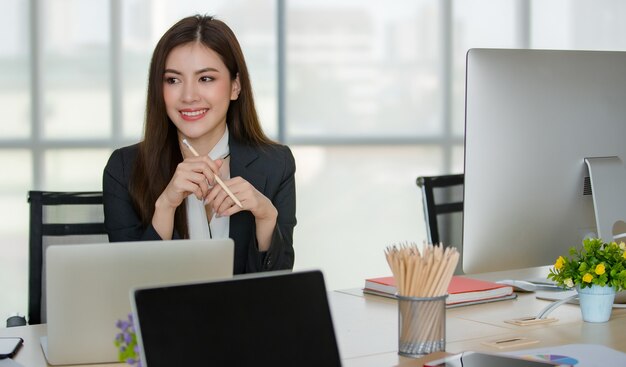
(270, 169)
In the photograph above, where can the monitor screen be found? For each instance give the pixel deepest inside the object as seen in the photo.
(532, 117)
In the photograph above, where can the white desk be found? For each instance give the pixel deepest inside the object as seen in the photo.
(366, 329)
(467, 327)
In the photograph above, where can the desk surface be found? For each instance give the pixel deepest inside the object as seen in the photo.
(366, 329)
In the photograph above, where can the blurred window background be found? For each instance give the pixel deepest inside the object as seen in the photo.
(368, 95)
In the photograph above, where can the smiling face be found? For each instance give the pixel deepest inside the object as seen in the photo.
(197, 89)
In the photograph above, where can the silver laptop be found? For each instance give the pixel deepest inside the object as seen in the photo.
(88, 286)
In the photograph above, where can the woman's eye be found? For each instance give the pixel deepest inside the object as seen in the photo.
(206, 79)
(171, 80)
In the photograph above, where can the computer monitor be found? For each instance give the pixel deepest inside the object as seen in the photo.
(532, 118)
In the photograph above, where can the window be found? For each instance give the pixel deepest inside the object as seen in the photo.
(14, 72)
(357, 69)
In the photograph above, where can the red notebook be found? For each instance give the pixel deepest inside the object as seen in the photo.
(461, 291)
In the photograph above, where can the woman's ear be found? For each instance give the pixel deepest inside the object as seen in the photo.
(235, 88)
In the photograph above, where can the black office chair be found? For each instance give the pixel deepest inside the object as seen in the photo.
(58, 218)
(442, 199)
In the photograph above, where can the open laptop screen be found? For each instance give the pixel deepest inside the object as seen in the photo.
(273, 319)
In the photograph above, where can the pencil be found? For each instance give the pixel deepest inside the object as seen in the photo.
(217, 178)
(423, 274)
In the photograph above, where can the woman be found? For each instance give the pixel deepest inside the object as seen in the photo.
(199, 90)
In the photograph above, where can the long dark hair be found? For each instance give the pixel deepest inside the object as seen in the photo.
(159, 152)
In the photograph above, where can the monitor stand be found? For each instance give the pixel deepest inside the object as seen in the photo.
(608, 177)
(531, 285)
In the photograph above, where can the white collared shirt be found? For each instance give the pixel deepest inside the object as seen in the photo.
(199, 227)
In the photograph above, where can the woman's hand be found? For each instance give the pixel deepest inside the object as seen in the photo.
(251, 199)
(193, 176)
(265, 213)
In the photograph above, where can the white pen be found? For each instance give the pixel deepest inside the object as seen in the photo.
(217, 178)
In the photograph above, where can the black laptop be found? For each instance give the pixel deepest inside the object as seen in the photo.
(267, 319)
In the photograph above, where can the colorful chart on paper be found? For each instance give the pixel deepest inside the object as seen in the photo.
(554, 358)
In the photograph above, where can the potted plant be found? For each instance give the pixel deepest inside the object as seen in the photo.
(597, 271)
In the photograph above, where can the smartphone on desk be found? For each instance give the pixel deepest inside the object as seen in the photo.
(474, 359)
(9, 346)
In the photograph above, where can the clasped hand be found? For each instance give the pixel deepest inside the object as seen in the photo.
(195, 176)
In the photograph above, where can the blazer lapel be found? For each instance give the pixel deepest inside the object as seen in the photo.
(241, 159)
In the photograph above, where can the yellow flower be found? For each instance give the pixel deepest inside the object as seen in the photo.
(558, 265)
(600, 269)
(622, 245)
(587, 278)
(624, 254)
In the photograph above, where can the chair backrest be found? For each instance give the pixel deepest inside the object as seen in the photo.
(442, 199)
(58, 218)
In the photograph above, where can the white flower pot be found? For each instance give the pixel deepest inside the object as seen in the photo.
(596, 302)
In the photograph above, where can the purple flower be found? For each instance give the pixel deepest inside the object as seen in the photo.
(123, 325)
(126, 342)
